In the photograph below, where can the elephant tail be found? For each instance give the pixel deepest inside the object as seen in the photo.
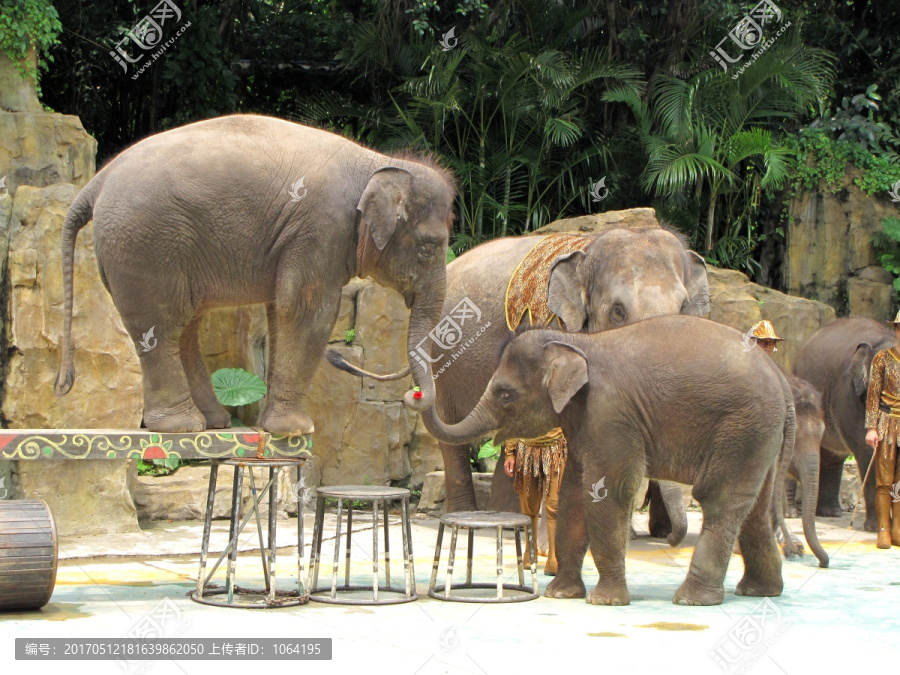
(80, 212)
(783, 464)
(337, 359)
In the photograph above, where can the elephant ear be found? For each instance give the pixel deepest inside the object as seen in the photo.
(566, 372)
(383, 204)
(859, 368)
(566, 296)
(697, 285)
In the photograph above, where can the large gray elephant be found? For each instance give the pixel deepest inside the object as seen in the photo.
(836, 361)
(675, 397)
(249, 209)
(622, 276)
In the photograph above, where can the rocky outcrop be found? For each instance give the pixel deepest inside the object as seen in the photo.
(737, 302)
(830, 256)
(49, 157)
(600, 222)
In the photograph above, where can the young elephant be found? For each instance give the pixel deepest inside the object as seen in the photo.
(676, 398)
(804, 467)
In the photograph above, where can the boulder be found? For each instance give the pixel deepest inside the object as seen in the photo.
(434, 493)
(829, 251)
(737, 302)
(183, 494)
(599, 222)
(90, 497)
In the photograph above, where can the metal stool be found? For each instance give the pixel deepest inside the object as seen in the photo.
(272, 597)
(373, 494)
(474, 520)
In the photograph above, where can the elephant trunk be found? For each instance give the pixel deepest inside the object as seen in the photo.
(478, 424)
(425, 313)
(671, 494)
(809, 480)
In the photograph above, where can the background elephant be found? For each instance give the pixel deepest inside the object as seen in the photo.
(675, 397)
(836, 361)
(804, 466)
(623, 276)
(248, 209)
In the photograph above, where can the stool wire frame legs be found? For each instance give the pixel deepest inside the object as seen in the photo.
(237, 523)
(377, 496)
(471, 521)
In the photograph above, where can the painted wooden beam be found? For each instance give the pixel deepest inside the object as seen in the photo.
(246, 442)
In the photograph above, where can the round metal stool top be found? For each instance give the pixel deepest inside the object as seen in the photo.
(253, 461)
(475, 519)
(361, 492)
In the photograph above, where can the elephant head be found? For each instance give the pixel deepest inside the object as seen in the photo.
(627, 275)
(405, 217)
(533, 384)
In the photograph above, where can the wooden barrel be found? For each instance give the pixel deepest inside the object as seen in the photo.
(27, 554)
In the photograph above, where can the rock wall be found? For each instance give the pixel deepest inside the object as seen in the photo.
(830, 256)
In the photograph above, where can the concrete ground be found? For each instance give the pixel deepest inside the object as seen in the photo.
(841, 619)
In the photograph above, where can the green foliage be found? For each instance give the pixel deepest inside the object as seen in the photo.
(24, 23)
(235, 386)
(349, 335)
(887, 243)
(489, 451)
(819, 161)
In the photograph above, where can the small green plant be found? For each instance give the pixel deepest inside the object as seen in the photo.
(24, 23)
(489, 451)
(887, 243)
(349, 335)
(235, 386)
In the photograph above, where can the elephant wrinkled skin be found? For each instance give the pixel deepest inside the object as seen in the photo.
(248, 209)
(676, 397)
(623, 276)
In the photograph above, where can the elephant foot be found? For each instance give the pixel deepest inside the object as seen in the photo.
(829, 510)
(286, 423)
(615, 594)
(566, 586)
(792, 512)
(759, 588)
(181, 419)
(660, 530)
(698, 595)
(871, 524)
(217, 419)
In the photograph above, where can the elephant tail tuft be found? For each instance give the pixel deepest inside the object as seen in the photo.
(80, 212)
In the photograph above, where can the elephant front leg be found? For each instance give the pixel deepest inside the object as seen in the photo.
(298, 335)
(571, 534)
(608, 525)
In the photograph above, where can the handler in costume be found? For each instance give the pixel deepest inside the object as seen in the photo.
(882, 433)
(537, 466)
(763, 333)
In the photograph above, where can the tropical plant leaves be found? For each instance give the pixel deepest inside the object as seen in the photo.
(235, 386)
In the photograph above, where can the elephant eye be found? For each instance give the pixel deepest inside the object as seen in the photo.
(427, 250)
(617, 313)
(505, 395)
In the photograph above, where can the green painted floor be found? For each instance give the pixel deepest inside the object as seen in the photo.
(842, 619)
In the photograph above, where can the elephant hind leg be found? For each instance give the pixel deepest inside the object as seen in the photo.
(168, 405)
(199, 380)
(830, 472)
(762, 562)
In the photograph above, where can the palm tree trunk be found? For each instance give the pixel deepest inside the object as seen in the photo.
(711, 218)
